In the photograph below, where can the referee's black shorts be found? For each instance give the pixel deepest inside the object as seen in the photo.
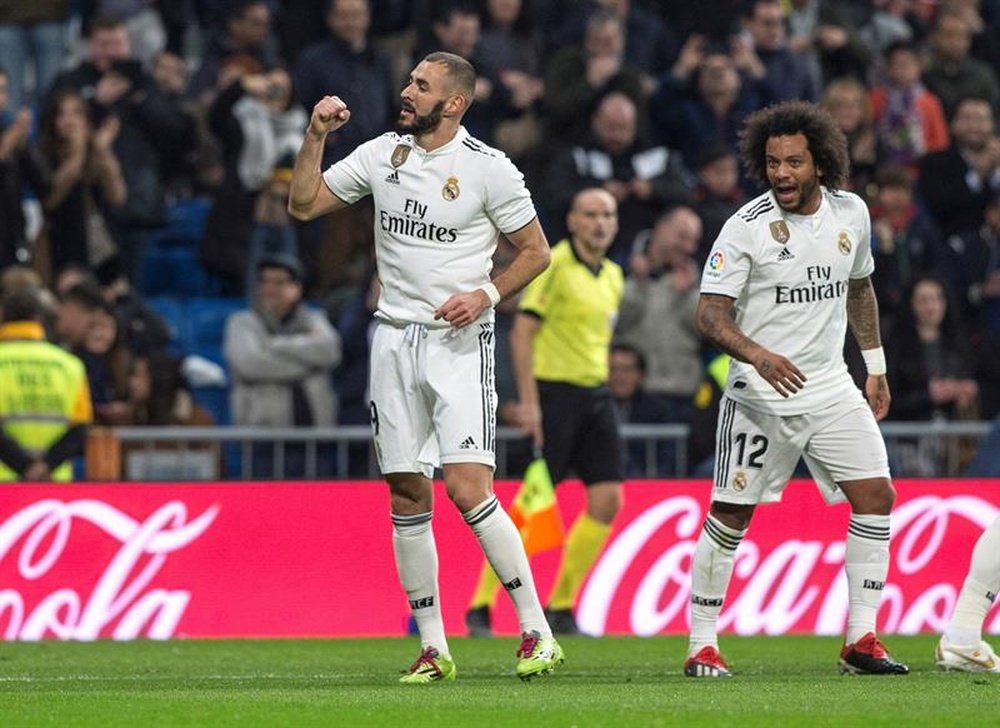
(580, 427)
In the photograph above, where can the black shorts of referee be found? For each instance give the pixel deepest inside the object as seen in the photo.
(580, 428)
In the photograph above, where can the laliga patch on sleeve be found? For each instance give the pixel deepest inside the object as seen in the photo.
(716, 265)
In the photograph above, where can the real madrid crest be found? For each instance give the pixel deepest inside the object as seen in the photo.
(739, 480)
(450, 191)
(844, 243)
(779, 231)
(399, 155)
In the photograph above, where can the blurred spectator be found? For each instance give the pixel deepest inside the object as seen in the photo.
(146, 33)
(786, 74)
(718, 194)
(32, 46)
(626, 376)
(847, 101)
(931, 365)
(258, 123)
(956, 183)
(153, 128)
(657, 312)
(273, 232)
(909, 120)
(642, 177)
(456, 29)
(71, 276)
(108, 361)
(823, 35)
(76, 311)
(184, 174)
(510, 52)
(649, 44)
(969, 260)
(86, 184)
(983, 19)
(952, 74)
(142, 329)
(705, 97)
(930, 359)
(246, 34)
(578, 76)
(281, 355)
(347, 64)
(158, 394)
(904, 237)
(45, 409)
(18, 171)
(891, 21)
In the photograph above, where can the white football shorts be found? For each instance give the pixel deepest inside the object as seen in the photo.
(756, 453)
(433, 397)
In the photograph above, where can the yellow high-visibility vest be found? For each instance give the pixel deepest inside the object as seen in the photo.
(43, 392)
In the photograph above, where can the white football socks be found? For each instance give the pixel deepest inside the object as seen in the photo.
(866, 561)
(711, 570)
(504, 550)
(978, 591)
(417, 564)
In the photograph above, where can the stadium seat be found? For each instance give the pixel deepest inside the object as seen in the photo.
(185, 223)
(173, 311)
(215, 400)
(207, 322)
(174, 271)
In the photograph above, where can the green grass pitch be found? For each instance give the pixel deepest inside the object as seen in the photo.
(782, 681)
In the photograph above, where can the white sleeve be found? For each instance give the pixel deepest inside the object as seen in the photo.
(508, 202)
(350, 178)
(864, 262)
(728, 266)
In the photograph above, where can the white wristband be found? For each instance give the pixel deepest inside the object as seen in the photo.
(874, 360)
(492, 293)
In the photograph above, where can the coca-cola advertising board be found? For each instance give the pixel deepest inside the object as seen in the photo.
(315, 560)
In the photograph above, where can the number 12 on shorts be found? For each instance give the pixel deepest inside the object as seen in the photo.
(758, 445)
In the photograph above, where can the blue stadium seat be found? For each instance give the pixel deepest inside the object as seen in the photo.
(189, 216)
(207, 323)
(185, 223)
(169, 271)
(174, 312)
(215, 400)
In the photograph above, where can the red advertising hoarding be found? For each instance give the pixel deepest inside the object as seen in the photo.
(302, 559)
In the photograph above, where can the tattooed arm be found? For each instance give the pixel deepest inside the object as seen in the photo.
(862, 313)
(862, 317)
(714, 319)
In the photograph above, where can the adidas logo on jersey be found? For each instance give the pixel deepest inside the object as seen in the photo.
(393, 178)
(467, 443)
(785, 254)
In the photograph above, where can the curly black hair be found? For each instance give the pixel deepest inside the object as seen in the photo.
(826, 141)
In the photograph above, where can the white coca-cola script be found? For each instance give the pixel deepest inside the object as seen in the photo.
(773, 589)
(120, 603)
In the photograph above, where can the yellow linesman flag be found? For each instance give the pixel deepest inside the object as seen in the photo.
(535, 511)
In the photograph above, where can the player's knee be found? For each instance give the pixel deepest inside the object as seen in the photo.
(874, 497)
(884, 498)
(409, 493)
(733, 515)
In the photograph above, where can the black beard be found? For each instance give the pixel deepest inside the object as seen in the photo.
(423, 124)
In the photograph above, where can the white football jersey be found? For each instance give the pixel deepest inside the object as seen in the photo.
(437, 215)
(789, 275)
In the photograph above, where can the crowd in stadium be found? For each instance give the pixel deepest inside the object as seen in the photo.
(146, 153)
